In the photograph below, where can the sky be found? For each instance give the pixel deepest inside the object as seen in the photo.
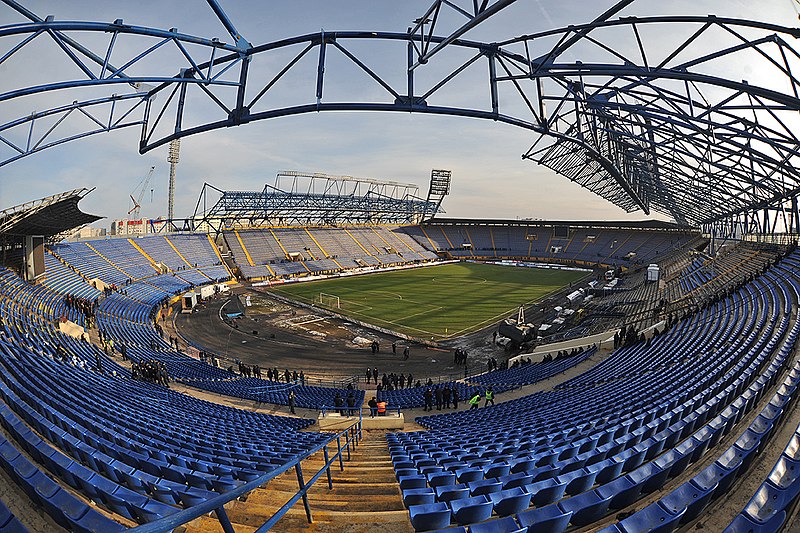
(490, 180)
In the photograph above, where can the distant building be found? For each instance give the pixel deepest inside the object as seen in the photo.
(88, 232)
(136, 227)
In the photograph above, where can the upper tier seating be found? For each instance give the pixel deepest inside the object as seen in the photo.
(196, 249)
(64, 280)
(118, 261)
(602, 245)
(298, 250)
(89, 263)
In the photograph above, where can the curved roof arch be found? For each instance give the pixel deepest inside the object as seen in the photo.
(645, 122)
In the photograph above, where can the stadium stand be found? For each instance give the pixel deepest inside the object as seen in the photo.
(292, 251)
(619, 431)
(98, 449)
(605, 244)
(114, 441)
(89, 263)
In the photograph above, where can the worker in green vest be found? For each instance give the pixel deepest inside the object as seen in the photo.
(489, 396)
(475, 400)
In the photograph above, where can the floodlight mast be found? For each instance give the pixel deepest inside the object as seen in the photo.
(439, 188)
(172, 158)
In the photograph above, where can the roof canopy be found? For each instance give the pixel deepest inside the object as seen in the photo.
(48, 216)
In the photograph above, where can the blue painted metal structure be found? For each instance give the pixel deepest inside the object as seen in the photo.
(644, 123)
(312, 200)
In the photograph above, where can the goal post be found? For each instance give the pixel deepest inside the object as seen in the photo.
(328, 300)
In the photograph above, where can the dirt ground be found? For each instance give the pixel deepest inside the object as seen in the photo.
(274, 334)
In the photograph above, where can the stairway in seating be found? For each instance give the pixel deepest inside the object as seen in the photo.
(365, 497)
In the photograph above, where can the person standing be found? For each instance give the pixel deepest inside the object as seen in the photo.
(428, 400)
(375, 375)
(369, 376)
(446, 396)
(338, 402)
(394, 347)
(489, 396)
(291, 401)
(437, 393)
(406, 352)
(373, 407)
(455, 397)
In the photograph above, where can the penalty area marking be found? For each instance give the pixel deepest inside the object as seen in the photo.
(452, 281)
(398, 296)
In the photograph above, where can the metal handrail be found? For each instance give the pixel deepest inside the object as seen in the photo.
(353, 436)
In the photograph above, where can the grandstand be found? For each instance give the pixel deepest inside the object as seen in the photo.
(151, 382)
(641, 433)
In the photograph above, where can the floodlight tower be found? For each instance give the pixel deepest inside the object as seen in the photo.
(439, 188)
(172, 158)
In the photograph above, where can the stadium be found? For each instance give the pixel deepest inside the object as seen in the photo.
(326, 352)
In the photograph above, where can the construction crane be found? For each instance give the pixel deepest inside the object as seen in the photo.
(137, 202)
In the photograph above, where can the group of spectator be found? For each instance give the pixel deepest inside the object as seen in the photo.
(460, 357)
(376, 349)
(208, 357)
(627, 336)
(491, 364)
(151, 371)
(84, 306)
(350, 401)
(273, 374)
(106, 341)
(442, 396)
(394, 381)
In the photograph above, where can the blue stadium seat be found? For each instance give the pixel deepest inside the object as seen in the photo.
(689, 499)
(654, 518)
(437, 479)
(429, 516)
(471, 510)
(766, 503)
(519, 479)
(502, 525)
(418, 496)
(586, 508)
(484, 486)
(548, 519)
(744, 524)
(412, 482)
(510, 501)
(785, 475)
(13, 526)
(547, 491)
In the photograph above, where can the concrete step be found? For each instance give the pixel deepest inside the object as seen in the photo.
(386, 491)
(365, 497)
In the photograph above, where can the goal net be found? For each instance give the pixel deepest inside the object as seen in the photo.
(328, 300)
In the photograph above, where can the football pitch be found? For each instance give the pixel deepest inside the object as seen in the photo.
(438, 302)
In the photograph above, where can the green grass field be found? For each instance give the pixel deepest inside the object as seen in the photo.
(440, 301)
